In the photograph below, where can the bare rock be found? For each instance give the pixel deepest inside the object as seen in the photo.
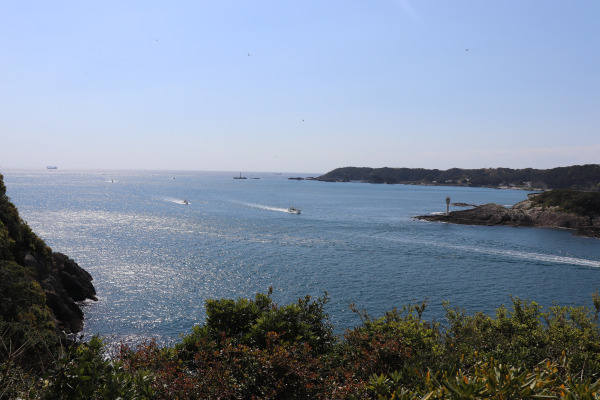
(521, 214)
(65, 284)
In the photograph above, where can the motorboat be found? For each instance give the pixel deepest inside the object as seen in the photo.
(294, 210)
(186, 202)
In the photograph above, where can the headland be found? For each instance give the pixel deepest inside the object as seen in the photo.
(560, 208)
(579, 177)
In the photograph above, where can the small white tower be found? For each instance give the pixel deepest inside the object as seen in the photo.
(447, 205)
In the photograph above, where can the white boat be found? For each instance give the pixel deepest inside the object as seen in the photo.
(294, 210)
(186, 202)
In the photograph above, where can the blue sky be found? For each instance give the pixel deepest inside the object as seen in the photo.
(299, 86)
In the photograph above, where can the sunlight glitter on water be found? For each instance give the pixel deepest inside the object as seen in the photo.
(155, 261)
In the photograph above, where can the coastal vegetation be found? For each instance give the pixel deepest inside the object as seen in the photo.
(569, 201)
(255, 348)
(580, 177)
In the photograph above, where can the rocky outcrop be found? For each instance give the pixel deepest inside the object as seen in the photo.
(26, 261)
(65, 284)
(521, 214)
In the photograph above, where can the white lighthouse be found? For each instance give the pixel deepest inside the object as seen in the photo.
(447, 205)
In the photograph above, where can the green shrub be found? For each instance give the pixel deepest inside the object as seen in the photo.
(525, 336)
(489, 380)
(249, 322)
(258, 349)
(85, 372)
(400, 340)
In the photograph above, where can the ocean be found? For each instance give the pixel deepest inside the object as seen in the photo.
(155, 260)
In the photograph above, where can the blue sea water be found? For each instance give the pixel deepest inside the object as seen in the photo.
(156, 260)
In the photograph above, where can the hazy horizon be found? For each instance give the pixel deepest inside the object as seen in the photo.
(234, 172)
(310, 86)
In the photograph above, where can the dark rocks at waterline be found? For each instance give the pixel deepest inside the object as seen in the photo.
(65, 284)
(521, 214)
(76, 281)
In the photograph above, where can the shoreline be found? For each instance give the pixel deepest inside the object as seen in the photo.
(522, 214)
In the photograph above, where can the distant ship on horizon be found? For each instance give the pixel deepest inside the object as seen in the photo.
(51, 167)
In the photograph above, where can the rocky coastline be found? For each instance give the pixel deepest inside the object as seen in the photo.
(38, 285)
(65, 285)
(524, 214)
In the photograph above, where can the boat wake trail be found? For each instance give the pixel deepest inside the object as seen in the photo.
(174, 200)
(549, 258)
(509, 253)
(268, 208)
(527, 256)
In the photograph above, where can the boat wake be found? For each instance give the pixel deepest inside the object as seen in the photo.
(176, 201)
(510, 253)
(268, 208)
(539, 257)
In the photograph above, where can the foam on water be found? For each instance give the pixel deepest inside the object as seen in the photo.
(174, 200)
(505, 253)
(529, 256)
(266, 207)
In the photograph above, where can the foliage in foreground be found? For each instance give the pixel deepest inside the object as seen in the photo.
(254, 348)
(490, 380)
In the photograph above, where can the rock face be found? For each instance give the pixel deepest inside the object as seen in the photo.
(25, 256)
(64, 283)
(521, 214)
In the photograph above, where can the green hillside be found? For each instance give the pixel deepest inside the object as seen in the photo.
(581, 203)
(580, 177)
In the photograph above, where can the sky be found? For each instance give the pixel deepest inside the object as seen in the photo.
(299, 86)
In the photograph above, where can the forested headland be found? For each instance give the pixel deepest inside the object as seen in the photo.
(579, 177)
(254, 348)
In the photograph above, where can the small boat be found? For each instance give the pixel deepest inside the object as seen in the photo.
(51, 167)
(186, 202)
(240, 177)
(294, 210)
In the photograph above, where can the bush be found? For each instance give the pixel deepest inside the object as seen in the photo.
(85, 372)
(525, 336)
(257, 349)
(399, 341)
(249, 322)
(489, 380)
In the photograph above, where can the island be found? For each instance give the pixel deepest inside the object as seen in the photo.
(559, 208)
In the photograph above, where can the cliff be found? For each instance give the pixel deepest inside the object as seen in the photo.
(64, 284)
(38, 287)
(555, 209)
